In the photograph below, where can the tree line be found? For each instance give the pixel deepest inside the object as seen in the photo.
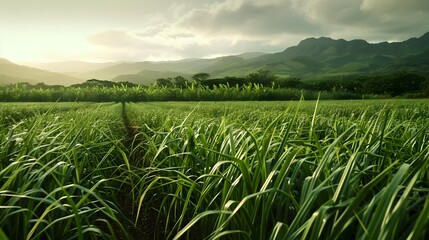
(384, 85)
(390, 85)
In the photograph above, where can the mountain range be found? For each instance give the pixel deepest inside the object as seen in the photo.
(312, 58)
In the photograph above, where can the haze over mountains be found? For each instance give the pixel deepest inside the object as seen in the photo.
(311, 58)
(11, 73)
(70, 67)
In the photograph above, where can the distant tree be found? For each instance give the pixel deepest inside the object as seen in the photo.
(164, 82)
(100, 83)
(180, 82)
(95, 83)
(199, 77)
(263, 76)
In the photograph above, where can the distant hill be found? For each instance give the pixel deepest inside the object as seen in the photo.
(11, 73)
(118, 69)
(326, 56)
(190, 66)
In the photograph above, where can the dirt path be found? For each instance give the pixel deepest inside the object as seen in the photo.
(134, 142)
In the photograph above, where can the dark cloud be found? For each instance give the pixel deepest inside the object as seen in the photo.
(248, 18)
(369, 19)
(396, 20)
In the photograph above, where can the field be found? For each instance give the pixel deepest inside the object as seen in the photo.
(215, 170)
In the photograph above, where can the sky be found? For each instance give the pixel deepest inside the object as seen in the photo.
(139, 30)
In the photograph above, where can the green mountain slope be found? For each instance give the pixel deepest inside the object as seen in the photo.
(326, 56)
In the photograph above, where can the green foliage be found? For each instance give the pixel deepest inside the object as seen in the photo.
(180, 82)
(164, 82)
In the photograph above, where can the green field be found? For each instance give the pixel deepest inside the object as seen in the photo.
(215, 170)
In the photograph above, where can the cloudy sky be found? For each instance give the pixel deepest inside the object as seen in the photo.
(135, 30)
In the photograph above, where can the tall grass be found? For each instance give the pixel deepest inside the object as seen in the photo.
(56, 175)
(211, 170)
(293, 175)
